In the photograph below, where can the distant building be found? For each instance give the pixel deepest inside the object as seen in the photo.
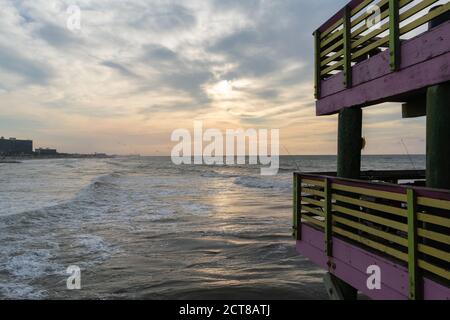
(13, 147)
(46, 152)
(100, 155)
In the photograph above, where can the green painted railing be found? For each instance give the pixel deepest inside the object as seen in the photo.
(408, 224)
(352, 39)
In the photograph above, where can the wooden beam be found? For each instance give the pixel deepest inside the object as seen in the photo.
(415, 107)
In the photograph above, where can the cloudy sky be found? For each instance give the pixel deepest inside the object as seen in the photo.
(138, 69)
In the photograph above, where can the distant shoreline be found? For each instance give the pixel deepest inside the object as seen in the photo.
(13, 159)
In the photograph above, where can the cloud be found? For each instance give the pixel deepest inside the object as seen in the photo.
(158, 53)
(141, 66)
(29, 70)
(163, 17)
(56, 36)
(121, 69)
(167, 108)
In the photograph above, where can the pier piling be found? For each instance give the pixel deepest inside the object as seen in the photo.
(438, 133)
(349, 143)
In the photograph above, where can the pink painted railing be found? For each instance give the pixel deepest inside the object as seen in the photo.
(410, 225)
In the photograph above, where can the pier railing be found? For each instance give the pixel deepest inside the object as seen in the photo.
(347, 38)
(408, 224)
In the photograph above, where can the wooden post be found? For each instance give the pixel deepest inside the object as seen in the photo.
(317, 67)
(328, 219)
(297, 209)
(349, 143)
(340, 290)
(349, 166)
(415, 292)
(438, 133)
(438, 129)
(394, 35)
(347, 35)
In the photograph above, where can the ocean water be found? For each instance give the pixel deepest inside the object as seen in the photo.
(143, 228)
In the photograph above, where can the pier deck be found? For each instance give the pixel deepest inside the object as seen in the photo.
(358, 64)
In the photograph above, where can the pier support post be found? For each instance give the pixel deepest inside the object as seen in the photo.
(438, 133)
(338, 289)
(349, 143)
(349, 166)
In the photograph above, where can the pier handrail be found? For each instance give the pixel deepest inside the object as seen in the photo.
(408, 224)
(347, 39)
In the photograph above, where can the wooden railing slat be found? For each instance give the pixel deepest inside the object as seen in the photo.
(337, 37)
(378, 233)
(313, 221)
(434, 203)
(370, 192)
(313, 192)
(371, 205)
(313, 211)
(375, 245)
(383, 221)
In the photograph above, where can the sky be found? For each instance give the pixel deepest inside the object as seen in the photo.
(137, 70)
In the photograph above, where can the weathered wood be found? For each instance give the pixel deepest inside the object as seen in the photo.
(414, 51)
(297, 207)
(317, 76)
(422, 65)
(367, 189)
(415, 291)
(383, 175)
(434, 203)
(389, 87)
(438, 133)
(371, 205)
(394, 35)
(349, 165)
(367, 45)
(349, 211)
(440, 19)
(328, 218)
(347, 63)
(350, 264)
(373, 231)
(338, 289)
(349, 143)
(374, 216)
(415, 107)
(338, 16)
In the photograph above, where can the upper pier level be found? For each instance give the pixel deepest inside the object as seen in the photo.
(361, 61)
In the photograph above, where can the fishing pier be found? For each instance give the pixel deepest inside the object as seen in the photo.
(349, 222)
